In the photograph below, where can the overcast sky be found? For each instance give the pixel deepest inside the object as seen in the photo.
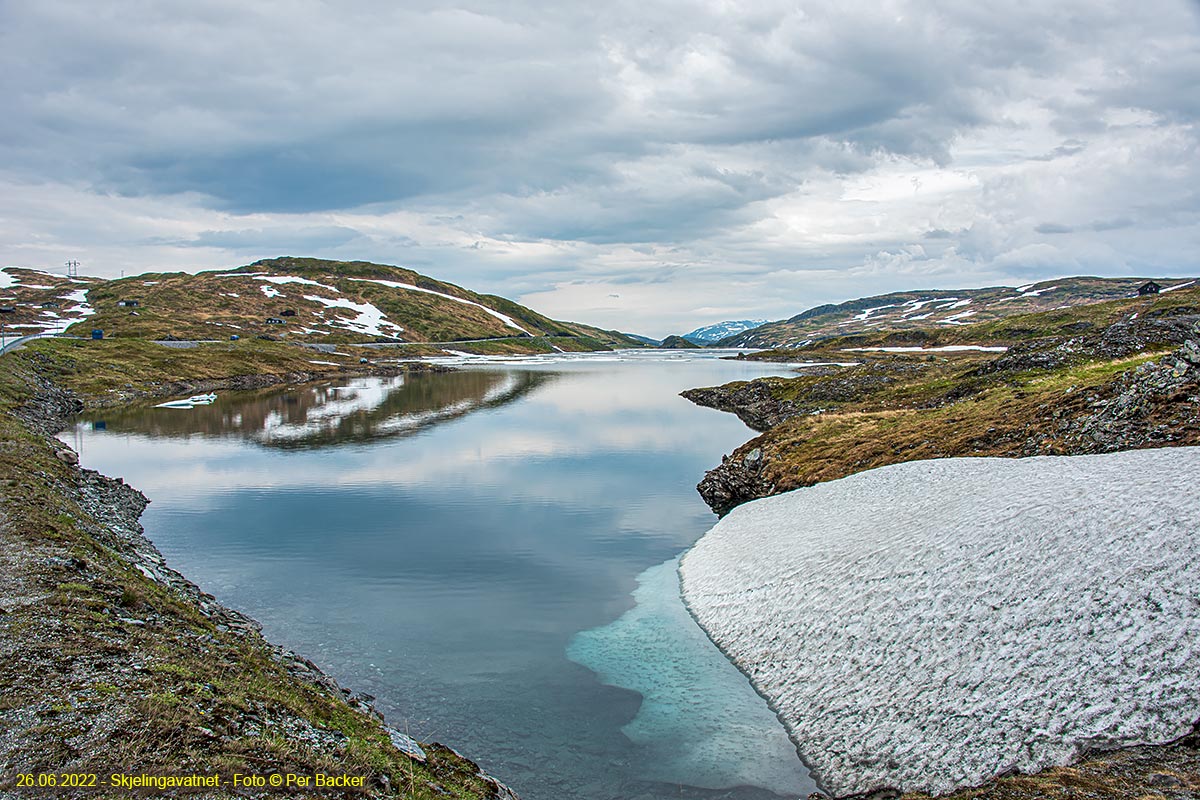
(651, 165)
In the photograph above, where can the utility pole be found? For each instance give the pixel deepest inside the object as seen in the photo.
(72, 269)
(3, 337)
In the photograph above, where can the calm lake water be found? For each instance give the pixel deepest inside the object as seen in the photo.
(489, 552)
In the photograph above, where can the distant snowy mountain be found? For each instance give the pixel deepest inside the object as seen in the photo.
(717, 332)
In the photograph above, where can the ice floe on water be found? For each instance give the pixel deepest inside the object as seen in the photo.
(709, 726)
(461, 358)
(932, 624)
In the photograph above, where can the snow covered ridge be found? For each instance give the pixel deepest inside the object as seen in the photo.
(932, 624)
(710, 334)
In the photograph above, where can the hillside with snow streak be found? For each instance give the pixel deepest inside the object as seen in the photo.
(315, 301)
(43, 302)
(933, 624)
(938, 313)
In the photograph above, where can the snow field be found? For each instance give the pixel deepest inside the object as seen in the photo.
(931, 624)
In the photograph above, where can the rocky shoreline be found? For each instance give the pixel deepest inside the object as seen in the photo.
(1146, 406)
(152, 597)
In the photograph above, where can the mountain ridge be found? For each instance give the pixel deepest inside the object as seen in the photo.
(915, 310)
(307, 300)
(710, 334)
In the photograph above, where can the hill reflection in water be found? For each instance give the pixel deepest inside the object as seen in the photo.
(447, 572)
(331, 413)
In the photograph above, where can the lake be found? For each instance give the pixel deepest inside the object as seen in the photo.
(489, 552)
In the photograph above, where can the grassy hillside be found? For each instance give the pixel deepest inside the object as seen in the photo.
(312, 300)
(42, 301)
(942, 312)
(1004, 331)
(1063, 367)
(113, 663)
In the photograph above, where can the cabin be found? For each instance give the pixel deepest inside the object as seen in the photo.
(50, 304)
(288, 313)
(275, 321)
(128, 303)
(1149, 287)
(8, 309)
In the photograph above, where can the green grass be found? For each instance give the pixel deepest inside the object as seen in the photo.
(930, 415)
(179, 673)
(1073, 321)
(170, 304)
(95, 369)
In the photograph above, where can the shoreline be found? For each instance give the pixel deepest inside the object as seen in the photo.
(110, 509)
(771, 704)
(742, 478)
(972, 684)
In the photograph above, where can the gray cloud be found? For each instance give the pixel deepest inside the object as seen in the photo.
(271, 239)
(522, 146)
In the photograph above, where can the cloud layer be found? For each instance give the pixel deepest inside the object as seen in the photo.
(652, 166)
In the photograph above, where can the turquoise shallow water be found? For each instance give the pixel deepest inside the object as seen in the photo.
(704, 721)
(488, 552)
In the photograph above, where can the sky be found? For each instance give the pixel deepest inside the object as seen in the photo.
(651, 166)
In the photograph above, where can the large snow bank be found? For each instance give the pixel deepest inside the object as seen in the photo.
(932, 624)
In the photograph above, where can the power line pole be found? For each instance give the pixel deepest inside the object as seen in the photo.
(72, 269)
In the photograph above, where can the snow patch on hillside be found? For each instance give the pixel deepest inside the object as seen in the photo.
(866, 314)
(280, 280)
(7, 279)
(955, 319)
(932, 624)
(78, 312)
(507, 320)
(370, 320)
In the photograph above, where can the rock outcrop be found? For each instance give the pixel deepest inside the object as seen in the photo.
(1154, 404)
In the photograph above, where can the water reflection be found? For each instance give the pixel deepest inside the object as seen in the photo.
(334, 413)
(447, 572)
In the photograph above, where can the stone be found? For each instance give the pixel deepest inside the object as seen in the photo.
(1191, 351)
(407, 745)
